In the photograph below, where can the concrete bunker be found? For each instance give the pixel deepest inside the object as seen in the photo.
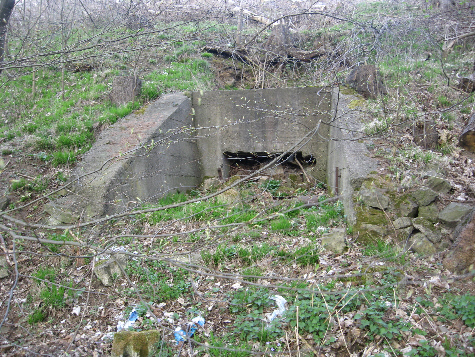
(178, 141)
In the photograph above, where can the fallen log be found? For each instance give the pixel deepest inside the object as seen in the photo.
(239, 54)
(242, 55)
(467, 138)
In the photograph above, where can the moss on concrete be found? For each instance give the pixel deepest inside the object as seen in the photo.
(356, 103)
(366, 218)
(348, 91)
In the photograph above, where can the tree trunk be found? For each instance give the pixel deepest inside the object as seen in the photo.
(6, 7)
(467, 138)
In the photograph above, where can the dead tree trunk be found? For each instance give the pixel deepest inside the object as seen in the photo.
(6, 7)
(467, 138)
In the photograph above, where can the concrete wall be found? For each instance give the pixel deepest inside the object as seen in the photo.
(349, 161)
(141, 158)
(265, 120)
(170, 145)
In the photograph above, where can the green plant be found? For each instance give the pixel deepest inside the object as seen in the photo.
(443, 101)
(465, 308)
(271, 185)
(466, 110)
(245, 255)
(307, 255)
(424, 350)
(60, 176)
(38, 184)
(158, 281)
(226, 342)
(312, 316)
(161, 349)
(63, 158)
(252, 271)
(250, 300)
(460, 306)
(373, 320)
(45, 274)
(281, 224)
(18, 184)
(327, 214)
(64, 237)
(37, 316)
(253, 327)
(53, 296)
(381, 249)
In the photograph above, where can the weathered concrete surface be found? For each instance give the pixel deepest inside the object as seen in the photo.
(262, 121)
(349, 162)
(170, 145)
(140, 158)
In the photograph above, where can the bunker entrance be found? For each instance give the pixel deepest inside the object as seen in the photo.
(244, 163)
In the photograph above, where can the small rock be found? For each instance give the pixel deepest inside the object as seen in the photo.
(467, 137)
(374, 198)
(295, 180)
(3, 267)
(427, 228)
(107, 271)
(462, 257)
(210, 183)
(421, 245)
(408, 208)
(424, 196)
(467, 84)
(430, 212)
(438, 184)
(335, 241)
(380, 231)
(4, 202)
(404, 233)
(402, 222)
(229, 197)
(453, 213)
(61, 193)
(61, 213)
(367, 81)
(135, 344)
(125, 89)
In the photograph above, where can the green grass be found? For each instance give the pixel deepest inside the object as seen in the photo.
(381, 249)
(64, 237)
(51, 295)
(39, 184)
(64, 128)
(158, 281)
(243, 255)
(326, 215)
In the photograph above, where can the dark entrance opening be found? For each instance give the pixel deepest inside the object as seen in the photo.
(244, 163)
